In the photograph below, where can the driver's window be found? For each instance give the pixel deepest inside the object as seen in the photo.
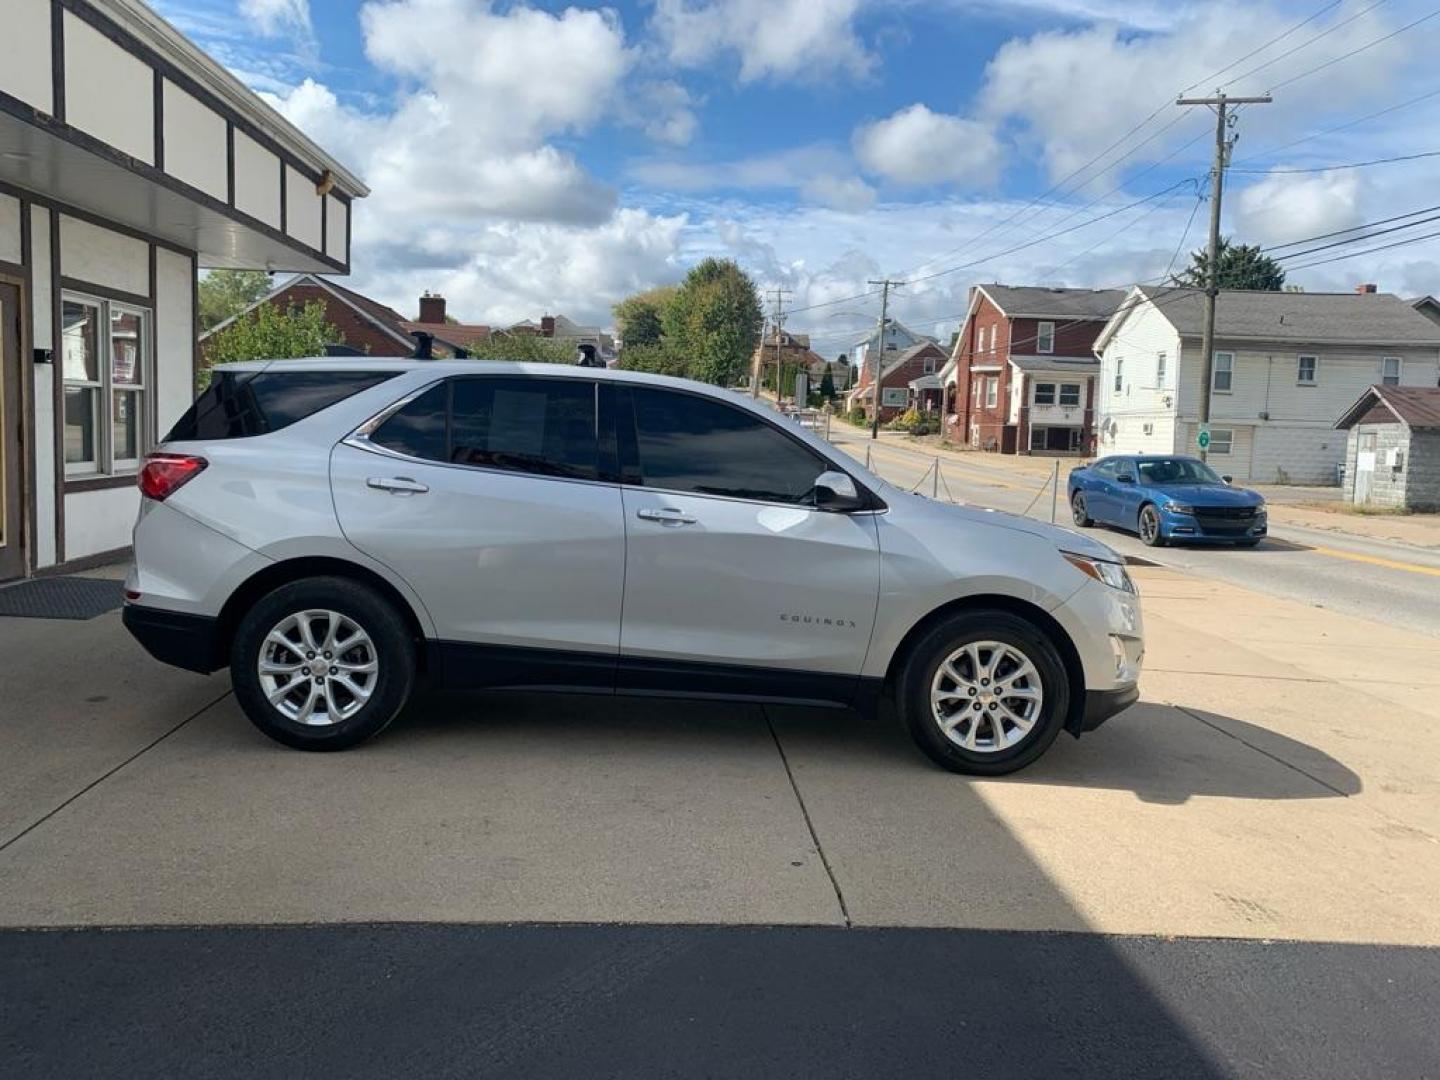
(689, 443)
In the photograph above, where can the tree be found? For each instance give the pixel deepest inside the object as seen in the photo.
(1240, 266)
(269, 333)
(224, 293)
(638, 317)
(714, 320)
(657, 358)
(525, 348)
(827, 385)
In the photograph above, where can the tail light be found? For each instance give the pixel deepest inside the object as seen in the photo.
(165, 474)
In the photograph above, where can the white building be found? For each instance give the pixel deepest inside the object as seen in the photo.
(128, 160)
(1287, 365)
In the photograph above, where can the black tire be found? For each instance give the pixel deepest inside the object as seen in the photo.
(1079, 511)
(393, 653)
(1147, 525)
(1246, 543)
(917, 677)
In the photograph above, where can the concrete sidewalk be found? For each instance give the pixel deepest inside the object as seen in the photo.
(1280, 779)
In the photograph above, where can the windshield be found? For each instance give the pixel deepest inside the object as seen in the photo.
(1176, 471)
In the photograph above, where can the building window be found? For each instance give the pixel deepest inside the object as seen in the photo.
(1160, 362)
(1224, 376)
(1305, 370)
(105, 359)
(1045, 338)
(1044, 393)
(929, 365)
(1119, 373)
(1390, 371)
(977, 392)
(1070, 394)
(1221, 439)
(992, 392)
(1037, 438)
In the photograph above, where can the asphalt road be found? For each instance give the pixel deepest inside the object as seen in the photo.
(1392, 583)
(646, 1001)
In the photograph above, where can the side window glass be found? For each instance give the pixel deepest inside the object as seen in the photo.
(417, 429)
(690, 443)
(532, 425)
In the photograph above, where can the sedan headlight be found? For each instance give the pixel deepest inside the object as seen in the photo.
(1179, 508)
(1108, 573)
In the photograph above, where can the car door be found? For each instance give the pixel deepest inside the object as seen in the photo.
(1099, 488)
(486, 494)
(733, 583)
(1128, 494)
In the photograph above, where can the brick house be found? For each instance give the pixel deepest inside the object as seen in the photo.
(794, 352)
(1392, 455)
(925, 358)
(1021, 378)
(366, 326)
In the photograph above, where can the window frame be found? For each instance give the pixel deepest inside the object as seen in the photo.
(1300, 379)
(1119, 374)
(992, 391)
(1228, 441)
(1162, 362)
(1035, 393)
(1228, 371)
(1060, 395)
(1399, 370)
(1045, 339)
(104, 468)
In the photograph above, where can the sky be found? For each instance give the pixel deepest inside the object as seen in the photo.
(526, 158)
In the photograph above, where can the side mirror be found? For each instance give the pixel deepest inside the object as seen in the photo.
(1227, 479)
(834, 490)
(1124, 478)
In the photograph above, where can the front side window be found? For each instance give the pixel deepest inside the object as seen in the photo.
(1305, 370)
(1070, 394)
(1045, 393)
(1224, 372)
(690, 443)
(1045, 338)
(992, 392)
(1390, 371)
(105, 361)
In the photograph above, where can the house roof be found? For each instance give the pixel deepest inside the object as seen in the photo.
(1055, 363)
(1303, 318)
(1038, 301)
(387, 320)
(1417, 407)
(456, 335)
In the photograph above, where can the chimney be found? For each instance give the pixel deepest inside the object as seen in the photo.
(547, 325)
(432, 309)
(1367, 288)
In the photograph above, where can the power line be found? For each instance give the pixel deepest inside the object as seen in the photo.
(1340, 127)
(1353, 228)
(1304, 44)
(1194, 210)
(1355, 52)
(1357, 239)
(1337, 168)
(1257, 51)
(1367, 251)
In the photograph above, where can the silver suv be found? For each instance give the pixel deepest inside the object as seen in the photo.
(337, 531)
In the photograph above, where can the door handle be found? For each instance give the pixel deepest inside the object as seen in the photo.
(397, 485)
(666, 516)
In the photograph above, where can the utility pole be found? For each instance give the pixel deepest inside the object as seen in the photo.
(885, 286)
(1223, 142)
(779, 322)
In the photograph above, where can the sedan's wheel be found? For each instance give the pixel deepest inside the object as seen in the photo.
(984, 692)
(322, 664)
(1150, 532)
(1080, 511)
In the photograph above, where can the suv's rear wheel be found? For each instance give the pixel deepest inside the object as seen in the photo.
(322, 664)
(984, 692)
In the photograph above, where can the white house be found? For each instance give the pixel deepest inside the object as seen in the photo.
(1286, 366)
(128, 160)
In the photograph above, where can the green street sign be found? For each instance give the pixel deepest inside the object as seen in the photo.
(1203, 439)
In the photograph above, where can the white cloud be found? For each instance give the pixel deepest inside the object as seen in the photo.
(663, 109)
(1281, 208)
(819, 173)
(917, 146)
(779, 40)
(275, 18)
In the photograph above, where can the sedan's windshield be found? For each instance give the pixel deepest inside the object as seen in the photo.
(1176, 471)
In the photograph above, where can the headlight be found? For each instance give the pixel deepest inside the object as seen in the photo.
(1179, 508)
(1109, 573)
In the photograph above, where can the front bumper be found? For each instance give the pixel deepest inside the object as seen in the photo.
(1101, 705)
(1197, 529)
(182, 640)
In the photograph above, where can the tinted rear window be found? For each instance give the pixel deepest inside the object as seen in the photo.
(239, 404)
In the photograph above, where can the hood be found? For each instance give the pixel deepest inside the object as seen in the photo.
(943, 514)
(1210, 494)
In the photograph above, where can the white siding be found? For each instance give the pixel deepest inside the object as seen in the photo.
(91, 253)
(302, 208)
(174, 338)
(10, 228)
(25, 53)
(257, 181)
(45, 375)
(97, 521)
(194, 143)
(337, 227)
(108, 93)
(1141, 417)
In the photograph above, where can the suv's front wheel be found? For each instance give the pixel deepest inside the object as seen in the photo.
(984, 692)
(322, 663)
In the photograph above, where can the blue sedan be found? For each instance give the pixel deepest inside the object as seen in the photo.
(1165, 498)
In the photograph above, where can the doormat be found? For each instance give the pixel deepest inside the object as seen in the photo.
(61, 598)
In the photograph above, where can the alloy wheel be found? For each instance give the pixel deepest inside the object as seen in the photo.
(1078, 510)
(1149, 525)
(986, 696)
(318, 667)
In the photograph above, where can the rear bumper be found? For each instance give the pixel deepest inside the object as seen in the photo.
(182, 640)
(1101, 705)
